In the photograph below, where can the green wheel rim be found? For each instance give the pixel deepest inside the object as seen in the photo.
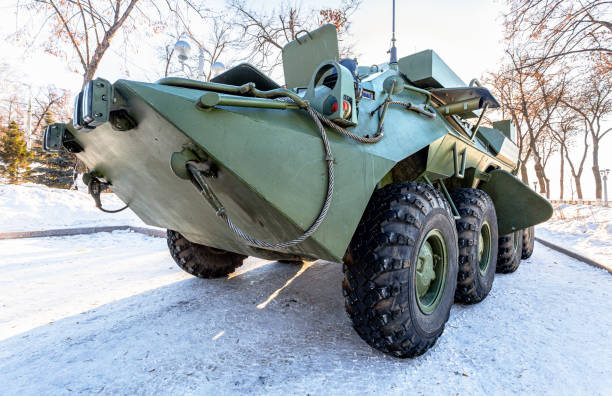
(484, 248)
(431, 269)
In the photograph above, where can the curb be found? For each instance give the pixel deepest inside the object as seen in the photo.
(161, 234)
(574, 255)
(80, 231)
(149, 231)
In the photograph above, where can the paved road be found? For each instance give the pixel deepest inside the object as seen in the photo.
(111, 314)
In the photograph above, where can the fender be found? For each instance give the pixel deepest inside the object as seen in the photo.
(517, 205)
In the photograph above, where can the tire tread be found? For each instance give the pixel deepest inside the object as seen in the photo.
(375, 272)
(200, 260)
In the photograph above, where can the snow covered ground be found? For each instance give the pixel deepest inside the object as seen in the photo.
(31, 207)
(110, 313)
(584, 229)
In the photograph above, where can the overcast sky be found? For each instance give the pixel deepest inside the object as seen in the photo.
(467, 35)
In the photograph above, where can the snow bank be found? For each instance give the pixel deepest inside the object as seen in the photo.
(584, 229)
(30, 207)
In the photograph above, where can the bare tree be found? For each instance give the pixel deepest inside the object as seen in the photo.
(505, 88)
(546, 146)
(88, 26)
(50, 100)
(264, 34)
(567, 128)
(560, 28)
(168, 51)
(593, 103)
(530, 95)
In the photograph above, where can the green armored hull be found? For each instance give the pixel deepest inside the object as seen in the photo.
(239, 166)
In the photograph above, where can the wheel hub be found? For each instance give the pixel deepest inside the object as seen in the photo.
(425, 269)
(484, 248)
(430, 272)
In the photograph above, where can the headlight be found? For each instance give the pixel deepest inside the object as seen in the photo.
(53, 137)
(77, 114)
(92, 106)
(86, 104)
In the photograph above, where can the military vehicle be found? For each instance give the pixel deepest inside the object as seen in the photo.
(386, 169)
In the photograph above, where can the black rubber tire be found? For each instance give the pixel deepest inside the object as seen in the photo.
(200, 260)
(509, 252)
(475, 208)
(379, 278)
(287, 261)
(528, 242)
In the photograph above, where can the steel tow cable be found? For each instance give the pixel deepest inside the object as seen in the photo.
(317, 117)
(220, 210)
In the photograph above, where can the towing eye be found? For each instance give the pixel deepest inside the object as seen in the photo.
(95, 187)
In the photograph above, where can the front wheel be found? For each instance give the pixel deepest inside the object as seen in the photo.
(200, 260)
(400, 269)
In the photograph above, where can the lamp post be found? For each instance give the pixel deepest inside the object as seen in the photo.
(604, 173)
(217, 68)
(535, 186)
(183, 50)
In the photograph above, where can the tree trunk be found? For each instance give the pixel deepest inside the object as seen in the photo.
(547, 187)
(539, 170)
(561, 174)
(524, 175)
(596, 169)
(578, 187)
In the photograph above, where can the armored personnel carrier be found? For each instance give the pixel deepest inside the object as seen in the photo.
(386, 169)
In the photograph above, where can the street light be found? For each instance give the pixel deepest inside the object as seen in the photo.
(217, 68)
(604, 173)
(183, 50)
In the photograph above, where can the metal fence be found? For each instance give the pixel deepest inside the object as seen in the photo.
(579, 202)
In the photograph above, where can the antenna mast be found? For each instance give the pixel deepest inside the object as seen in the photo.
(393, 50)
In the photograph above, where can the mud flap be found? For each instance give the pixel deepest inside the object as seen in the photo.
(517, 205)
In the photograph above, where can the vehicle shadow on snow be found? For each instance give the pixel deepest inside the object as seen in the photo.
(270, 317)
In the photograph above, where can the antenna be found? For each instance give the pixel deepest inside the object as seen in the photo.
(393, 51)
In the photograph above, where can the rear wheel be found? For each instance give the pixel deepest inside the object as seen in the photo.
(401, 268)
(528, 235)
(200, 260)
(477, 233)
(509, 252)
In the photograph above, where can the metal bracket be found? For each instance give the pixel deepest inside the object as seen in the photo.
(459, 169)
(199, 181)
(302, 31)
(485, 177)
(475, 128)
(446, 194)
